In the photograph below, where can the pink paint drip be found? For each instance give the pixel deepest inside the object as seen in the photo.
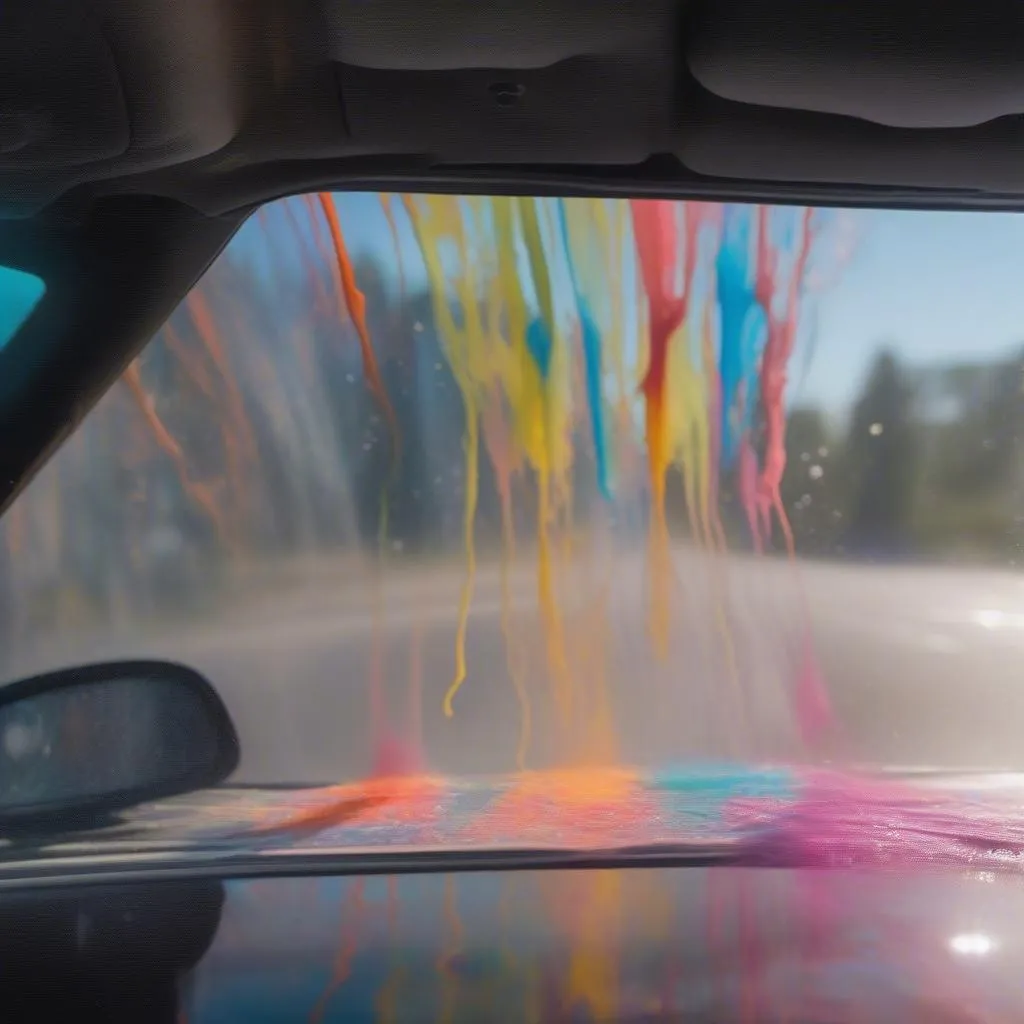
(747, 476)
(841, 821)
(813, 707)
(394, 756)
(775, 360)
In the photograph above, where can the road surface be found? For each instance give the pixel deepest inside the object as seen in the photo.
(924, 666)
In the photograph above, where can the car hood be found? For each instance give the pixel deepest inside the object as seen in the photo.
(754, 816)
(752, 893)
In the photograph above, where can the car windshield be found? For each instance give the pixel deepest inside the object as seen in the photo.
(470, 486)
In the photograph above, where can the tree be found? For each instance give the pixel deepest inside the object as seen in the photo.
(881, 463)
(812, 488)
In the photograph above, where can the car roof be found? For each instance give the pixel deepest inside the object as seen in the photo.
(222, 104)
(136, 135)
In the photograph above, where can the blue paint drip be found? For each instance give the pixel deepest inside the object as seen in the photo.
(743, 325)
(592, 364)
(539, 344)
(707, 788)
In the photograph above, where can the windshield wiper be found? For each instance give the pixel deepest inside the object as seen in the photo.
(228, 860)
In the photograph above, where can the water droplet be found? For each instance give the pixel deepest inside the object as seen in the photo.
(822, 452)
(875, 429)
(417, 327)
(805, 456)
(815, 472)
(350, 377)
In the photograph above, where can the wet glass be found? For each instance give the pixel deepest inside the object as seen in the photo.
(471, 530)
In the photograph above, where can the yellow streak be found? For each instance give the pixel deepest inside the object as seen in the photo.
(593, 967)
(440, 217)
(512, 654)
(472, 446)
(451, 946)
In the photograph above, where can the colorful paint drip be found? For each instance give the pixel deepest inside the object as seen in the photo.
(637, 352)
(520, 292)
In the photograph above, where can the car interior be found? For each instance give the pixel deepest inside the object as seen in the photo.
(136, 137)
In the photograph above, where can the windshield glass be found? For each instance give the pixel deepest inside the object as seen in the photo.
(476, 485)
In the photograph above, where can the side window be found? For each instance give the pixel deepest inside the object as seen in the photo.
(229, 451)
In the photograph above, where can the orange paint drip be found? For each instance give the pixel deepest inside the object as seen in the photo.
(497, 441)
(323, 301)
(352, 916)
(548, 600)
(192, 367)
(236, 433)
(355, 301)
(206, 328)
(583, 808)
(334, 812)
(324, 250)
(397, 798)
(389, 216)
(598, 742)
(198, 492)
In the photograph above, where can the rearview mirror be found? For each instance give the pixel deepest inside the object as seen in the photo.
(100, 738)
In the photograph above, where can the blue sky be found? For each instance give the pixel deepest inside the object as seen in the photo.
(937, 286)
(932, 286)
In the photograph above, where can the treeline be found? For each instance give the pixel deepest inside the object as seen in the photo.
(929, 466)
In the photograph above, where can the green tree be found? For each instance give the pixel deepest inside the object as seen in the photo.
(881, 463)
(812, 489)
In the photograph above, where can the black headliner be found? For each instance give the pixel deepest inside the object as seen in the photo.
(225, 103)
(135, 135)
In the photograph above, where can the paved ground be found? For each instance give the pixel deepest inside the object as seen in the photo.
(924, 666)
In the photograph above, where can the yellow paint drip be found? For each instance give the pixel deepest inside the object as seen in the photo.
(659, 546)
(472, 483)
(440, 217)
(594, 967)
(688, 426)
